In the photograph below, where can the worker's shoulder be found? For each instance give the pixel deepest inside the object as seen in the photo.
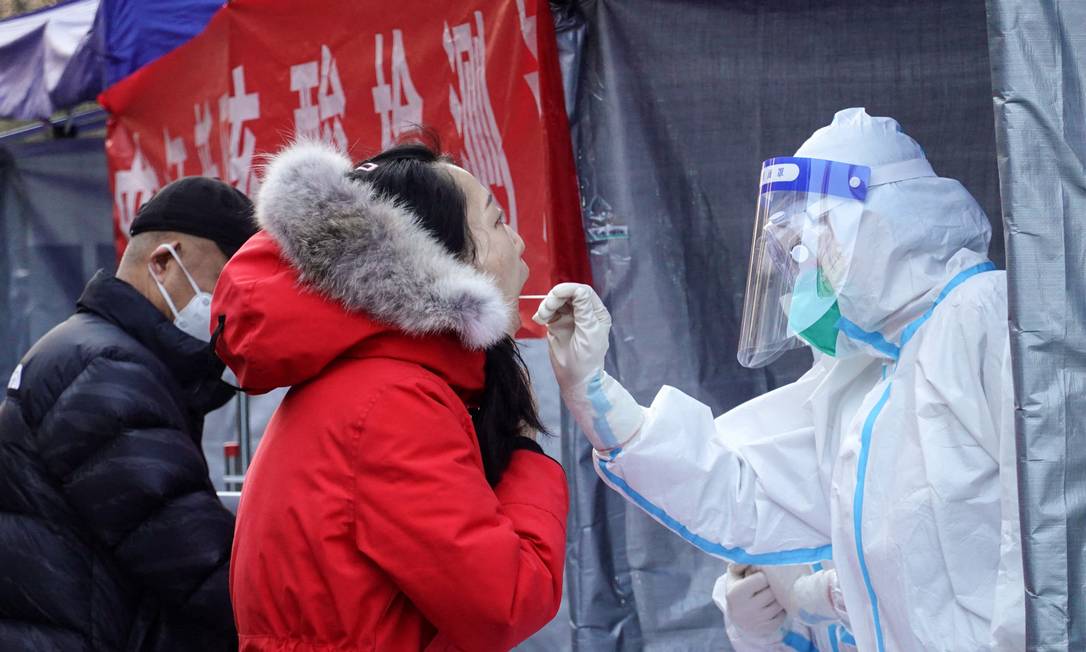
(980, 295)
(974, 311)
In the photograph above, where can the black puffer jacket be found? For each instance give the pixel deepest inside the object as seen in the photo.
(111, 535)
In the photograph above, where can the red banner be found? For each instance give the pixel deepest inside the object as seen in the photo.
(482, 73)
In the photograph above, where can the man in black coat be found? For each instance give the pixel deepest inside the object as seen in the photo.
(111, 535)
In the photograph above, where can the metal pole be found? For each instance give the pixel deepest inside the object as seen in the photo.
(231, 452)
(237, 454)
(244, 432)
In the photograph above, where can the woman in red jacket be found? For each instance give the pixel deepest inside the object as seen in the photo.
(398, 500)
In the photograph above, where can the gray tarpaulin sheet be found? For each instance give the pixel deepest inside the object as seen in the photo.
(676, 105)
(55, 231)
(1038, 56)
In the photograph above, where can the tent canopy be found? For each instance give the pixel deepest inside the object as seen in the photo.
(55, 58)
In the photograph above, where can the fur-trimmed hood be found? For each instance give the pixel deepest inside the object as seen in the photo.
(339, 272)
(370, 254)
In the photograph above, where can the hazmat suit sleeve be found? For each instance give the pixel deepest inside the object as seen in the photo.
(746, 486)
(966, 372)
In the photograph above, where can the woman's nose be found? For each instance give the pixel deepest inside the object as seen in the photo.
(517, 240)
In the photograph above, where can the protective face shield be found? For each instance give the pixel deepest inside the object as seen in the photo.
(195, 318)
(805, 235)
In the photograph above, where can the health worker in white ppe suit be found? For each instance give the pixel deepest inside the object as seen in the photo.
(894, 456)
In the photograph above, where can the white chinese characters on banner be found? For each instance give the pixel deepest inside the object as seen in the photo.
(469, 101)
(398, 103)
(202, 137)
(304, 77)
(175, 155)
(323, 120)
(133, 187)
(238, 141)
(528, 33)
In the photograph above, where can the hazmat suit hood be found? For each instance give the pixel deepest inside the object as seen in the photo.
(914, 236)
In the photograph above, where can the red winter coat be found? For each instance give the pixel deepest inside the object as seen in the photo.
(366, 522)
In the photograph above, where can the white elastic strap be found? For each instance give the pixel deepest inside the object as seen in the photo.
(162, 290)
(192, 281)
(901, 171)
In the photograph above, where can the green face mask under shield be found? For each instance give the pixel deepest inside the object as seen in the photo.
(813, 313)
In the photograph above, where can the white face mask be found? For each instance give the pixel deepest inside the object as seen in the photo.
(195, 318)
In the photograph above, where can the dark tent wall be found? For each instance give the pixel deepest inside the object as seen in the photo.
(677, 103)
(1039, 79)
(55, 230)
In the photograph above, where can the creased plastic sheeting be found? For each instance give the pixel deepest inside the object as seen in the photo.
(46, 60)
(677, 104)
(1038, 58)
(599, 585)
(55, 58)
(54, 233)
(136, 32)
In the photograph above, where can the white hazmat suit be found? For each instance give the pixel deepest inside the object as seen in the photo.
(895, 458)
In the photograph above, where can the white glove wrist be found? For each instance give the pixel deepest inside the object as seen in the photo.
(578, 331)
(605, 411)
(811, 598)
(751, 611)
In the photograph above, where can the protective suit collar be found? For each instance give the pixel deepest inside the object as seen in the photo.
(918, 232)
(878, 345)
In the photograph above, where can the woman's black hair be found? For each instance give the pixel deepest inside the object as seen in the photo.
(412, 175)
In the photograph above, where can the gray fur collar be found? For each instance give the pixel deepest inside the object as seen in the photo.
(369, 253)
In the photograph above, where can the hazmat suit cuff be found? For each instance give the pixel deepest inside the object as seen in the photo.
(605, 411)
(743, 642)
(819, 600)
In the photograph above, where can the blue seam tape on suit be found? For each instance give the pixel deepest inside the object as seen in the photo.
(865, 439)
(798, 643)
(600, 407)
(858, 509)
(874, 340)
(736, 555)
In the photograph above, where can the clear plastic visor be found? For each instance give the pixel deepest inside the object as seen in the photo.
(805, 230)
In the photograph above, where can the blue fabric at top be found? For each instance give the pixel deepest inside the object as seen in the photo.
(136, 32)
(55, 58)
(812, 175)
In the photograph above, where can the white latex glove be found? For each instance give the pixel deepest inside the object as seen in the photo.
(578, 330)
(751, 611)
(814, 599)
